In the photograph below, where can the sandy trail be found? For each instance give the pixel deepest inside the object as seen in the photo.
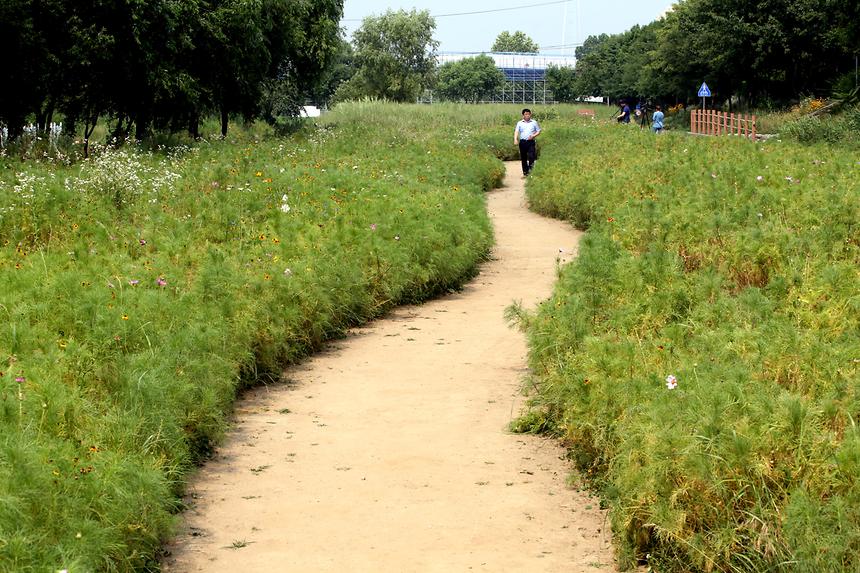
(389, 450)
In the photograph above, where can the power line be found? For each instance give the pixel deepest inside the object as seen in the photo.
(481, 11)
(560, 46)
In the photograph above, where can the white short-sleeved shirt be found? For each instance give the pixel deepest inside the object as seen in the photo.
(525, 129)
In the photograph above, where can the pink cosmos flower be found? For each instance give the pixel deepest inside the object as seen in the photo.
(373, 226)
(671, 382)
(160, 281)
(20, 379)
(134, 282)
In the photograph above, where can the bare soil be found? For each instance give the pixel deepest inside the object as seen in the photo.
(389, 451)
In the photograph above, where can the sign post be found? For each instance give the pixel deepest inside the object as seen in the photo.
(704, 92)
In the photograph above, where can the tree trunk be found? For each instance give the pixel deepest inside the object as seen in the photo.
(194, 125)
(89, 127)
(224, 120)
(70, 125)
(141, 127)
(43, 121)
(15, 128)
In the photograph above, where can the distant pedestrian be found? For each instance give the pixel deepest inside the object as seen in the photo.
(525, 132)
(623, 112)
(657, 120)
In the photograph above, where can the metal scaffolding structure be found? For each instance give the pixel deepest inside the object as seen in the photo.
(525, 75)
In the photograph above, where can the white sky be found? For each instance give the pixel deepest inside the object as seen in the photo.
(551, 24)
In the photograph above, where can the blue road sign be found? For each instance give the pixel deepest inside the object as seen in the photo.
(704, 90)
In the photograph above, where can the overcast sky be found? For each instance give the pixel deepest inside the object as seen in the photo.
(555, 26)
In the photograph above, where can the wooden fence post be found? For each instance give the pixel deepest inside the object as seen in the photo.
(713, 122)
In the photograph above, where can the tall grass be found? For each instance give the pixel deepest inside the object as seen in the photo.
(139, 291)
(732, 267)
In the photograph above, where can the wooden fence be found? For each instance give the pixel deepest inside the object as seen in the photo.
(712, 122)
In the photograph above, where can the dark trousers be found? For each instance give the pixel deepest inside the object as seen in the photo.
(528, 154)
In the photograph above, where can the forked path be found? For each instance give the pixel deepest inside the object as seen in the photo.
(389, 451)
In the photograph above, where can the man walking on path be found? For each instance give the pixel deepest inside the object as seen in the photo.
(524, 135)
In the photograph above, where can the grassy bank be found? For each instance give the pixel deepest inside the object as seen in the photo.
(730, 269)
(141, 291)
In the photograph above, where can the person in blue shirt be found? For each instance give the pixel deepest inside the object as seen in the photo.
(624, 113)
(657, 120)
(524, 135)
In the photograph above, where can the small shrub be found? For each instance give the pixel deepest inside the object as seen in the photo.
(816, 130)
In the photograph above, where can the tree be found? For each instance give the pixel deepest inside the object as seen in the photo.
(25, 60)
(161, 63)
(596, 62)
(517, 42)
(395, 54)
(338, 73)
(562, 82)
(764, 50)
(470, 79)
(262, 58)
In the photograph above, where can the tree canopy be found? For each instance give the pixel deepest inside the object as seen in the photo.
(161, 63)
(470, 79)
(517, 42)
(754, 52)
(562, 82)
(395, 56)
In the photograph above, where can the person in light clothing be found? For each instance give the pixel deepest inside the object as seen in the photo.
(525, 132)
(657, 120)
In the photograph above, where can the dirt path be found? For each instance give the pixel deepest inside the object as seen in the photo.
(389, 452)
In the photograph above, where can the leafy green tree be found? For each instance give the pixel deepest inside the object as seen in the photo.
(517, 42)
(773, 49)
(263, 58)
(470, 79)
(305, 40)
(395, 54)
(562, 82)
(338, 73)
(597, 67)
(25, 61)
(161, 63)
(92, 72)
